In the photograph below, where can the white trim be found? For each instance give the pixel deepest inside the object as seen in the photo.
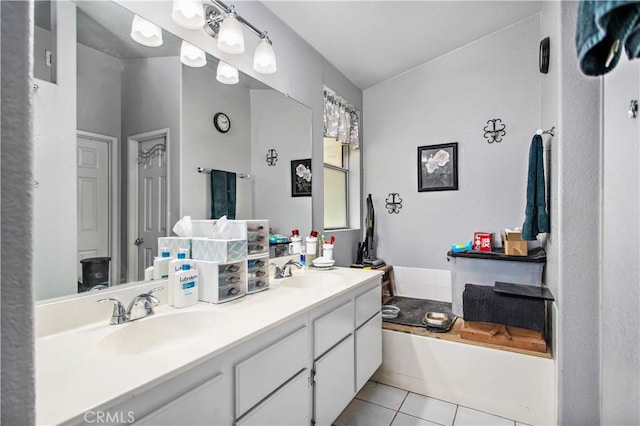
(132, 197)
(114, 201)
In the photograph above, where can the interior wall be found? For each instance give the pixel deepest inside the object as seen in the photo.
(620, 248)
(151, 89)
(54, 161)
(576, 231)
(280, 123)
(16, 311)
(450, 99)
(99, 92)
(204, 146)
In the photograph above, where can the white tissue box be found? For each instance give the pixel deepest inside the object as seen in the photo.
(174, 244)
(202, 228)
(216, 250)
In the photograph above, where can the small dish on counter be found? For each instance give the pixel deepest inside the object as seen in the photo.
(323, 262)
(390, 311)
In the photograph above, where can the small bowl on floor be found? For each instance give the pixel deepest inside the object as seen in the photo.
(390, 311)
(436, 319)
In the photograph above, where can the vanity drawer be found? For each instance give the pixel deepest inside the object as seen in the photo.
(261, 374)
(331, 328)
(367, 305)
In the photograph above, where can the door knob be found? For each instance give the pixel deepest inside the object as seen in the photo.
(138, 241)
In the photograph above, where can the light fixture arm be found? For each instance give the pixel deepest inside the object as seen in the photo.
(213, 21)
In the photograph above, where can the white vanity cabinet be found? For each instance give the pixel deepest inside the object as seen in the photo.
(347, 350)
(277, 376)
(368, 335)
(200, 406)
(301, 369)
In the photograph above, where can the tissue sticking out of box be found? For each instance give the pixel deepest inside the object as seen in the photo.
(183, 227)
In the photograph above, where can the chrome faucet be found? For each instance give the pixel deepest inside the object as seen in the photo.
(140, 307)
(282, 272)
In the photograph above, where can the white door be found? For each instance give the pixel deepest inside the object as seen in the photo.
(94, 227)
(152, 200)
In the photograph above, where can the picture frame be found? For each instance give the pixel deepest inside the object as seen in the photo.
(438, 167)
(301, 178)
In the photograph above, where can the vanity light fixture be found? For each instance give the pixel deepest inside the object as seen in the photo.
(226, 74)
(264, 58)
(188, 13)
(223, 23)
(192, 56)
(146, 33)
(230, 36)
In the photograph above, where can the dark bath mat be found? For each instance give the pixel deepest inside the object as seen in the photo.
(412, 312)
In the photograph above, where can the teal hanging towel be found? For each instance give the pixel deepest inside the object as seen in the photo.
(536, 219)
(223, 194)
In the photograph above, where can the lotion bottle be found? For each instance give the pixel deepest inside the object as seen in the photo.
(161, 264)
(175, 266)
(185, 287)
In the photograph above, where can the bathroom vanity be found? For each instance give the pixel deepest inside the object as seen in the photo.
(295, 354)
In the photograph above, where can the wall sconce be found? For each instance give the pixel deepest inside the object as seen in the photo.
(494, 133)
(223, 23)
(226, 74)
(192, 56)
(188, 13)
(146, 33)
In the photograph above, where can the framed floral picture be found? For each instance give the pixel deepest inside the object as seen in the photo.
(301, 178)
(438, 167)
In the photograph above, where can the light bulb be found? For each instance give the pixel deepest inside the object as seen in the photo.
(192, 56)
(230, 37)
(264, 58)
(188, 13)
(146, 33)
(226, 74)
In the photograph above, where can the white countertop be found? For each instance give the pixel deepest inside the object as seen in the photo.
(73, 375)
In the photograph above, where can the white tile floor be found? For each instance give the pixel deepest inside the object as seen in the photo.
(381, 405)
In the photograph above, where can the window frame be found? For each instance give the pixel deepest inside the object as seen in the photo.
(345, 170)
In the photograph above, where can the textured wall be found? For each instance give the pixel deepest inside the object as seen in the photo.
(577, 234)
(16, 309)
(620, 248)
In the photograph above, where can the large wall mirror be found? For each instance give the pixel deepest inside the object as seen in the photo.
(119, 139)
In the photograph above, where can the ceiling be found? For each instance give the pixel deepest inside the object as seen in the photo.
(372, 41)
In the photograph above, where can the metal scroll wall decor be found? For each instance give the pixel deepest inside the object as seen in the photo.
(272, 157)
(145, 157)
(393, 203)
(494, 130)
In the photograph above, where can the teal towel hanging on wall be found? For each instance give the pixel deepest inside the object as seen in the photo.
(536, 218)
(223, 194)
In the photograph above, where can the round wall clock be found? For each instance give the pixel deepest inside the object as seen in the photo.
(221, 122)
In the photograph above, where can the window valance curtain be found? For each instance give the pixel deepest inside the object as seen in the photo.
(341, 120)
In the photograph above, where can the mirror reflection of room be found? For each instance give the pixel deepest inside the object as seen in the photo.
(144, 125)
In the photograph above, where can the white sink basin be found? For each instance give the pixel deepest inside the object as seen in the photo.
(156, 332)
(313, 280)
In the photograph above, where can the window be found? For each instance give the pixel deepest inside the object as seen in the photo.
(336, 184)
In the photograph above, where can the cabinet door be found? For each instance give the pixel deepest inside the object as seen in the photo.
(334, 382)
(199, 406)
(289, 405)
(368, 350)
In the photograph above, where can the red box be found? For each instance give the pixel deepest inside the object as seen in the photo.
(483, 241)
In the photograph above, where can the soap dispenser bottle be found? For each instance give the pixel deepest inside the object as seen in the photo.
(185, 287)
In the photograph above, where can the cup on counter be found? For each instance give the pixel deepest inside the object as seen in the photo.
(327, 251)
